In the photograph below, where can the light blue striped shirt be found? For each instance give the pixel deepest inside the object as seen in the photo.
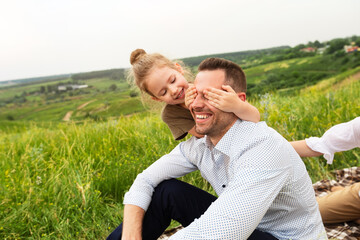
(261, 182)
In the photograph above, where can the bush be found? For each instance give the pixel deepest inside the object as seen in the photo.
(134, 94)
(10, 118)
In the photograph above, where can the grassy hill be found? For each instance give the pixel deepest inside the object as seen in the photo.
(67, 180)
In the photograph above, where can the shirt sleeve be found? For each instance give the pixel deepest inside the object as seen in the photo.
(341, 137)
(172, 165)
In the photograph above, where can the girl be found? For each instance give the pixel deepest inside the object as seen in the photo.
(164, 80)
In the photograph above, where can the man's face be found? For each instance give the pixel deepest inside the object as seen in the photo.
(210, 120)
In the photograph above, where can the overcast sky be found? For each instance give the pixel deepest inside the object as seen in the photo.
(48, 37)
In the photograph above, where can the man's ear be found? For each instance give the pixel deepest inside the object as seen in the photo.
(156, 99)
(242, 96)
(179, 68)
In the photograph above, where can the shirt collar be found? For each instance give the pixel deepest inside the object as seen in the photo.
(224, 145)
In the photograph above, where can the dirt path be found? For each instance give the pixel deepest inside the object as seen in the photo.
(69, 114)
(85, 104)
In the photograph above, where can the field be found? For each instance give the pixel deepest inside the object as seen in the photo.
(67, 180)
(68, 157)
(95, 102)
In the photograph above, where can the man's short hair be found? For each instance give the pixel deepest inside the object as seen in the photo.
(234, 75)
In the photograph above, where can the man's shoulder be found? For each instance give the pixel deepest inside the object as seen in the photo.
(258, 139)
(249, 130)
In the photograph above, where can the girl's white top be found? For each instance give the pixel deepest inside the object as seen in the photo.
(341, 137)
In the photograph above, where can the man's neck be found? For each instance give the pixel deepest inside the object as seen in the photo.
(218, 136)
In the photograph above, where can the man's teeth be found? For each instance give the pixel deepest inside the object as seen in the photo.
(202, 116)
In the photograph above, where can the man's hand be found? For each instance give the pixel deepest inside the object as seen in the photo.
(132, 224)
(190, 95)
(226, 101)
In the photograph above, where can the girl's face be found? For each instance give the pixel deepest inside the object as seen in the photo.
(167, 84)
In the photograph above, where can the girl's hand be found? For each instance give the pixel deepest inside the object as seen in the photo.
(227, 101)
(190, 95)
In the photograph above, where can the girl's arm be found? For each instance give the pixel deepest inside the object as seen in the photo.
(341, 137)
(303, 149)
(228, 101)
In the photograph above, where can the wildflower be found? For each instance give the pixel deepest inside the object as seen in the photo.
(38, 180)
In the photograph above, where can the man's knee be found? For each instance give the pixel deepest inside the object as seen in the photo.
(170, 187)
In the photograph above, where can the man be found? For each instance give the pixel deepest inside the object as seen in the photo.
(263, 187)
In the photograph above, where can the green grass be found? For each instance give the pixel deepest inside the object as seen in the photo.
(310, 114)
(67, 180)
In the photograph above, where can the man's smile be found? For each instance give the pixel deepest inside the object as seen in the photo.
(202, 117)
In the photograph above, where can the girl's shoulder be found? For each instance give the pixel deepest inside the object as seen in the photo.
(170, 112)
(178, 119)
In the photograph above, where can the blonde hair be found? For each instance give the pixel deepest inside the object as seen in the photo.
(143, 64)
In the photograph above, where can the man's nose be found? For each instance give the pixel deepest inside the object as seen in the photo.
(198, 102)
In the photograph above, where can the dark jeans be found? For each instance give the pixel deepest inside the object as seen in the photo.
(180, 201)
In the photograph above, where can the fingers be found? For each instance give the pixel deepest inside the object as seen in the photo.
(213, 93)
(214, 90)
(228, 88)
(213, 103)
(190, 88)
(190, 95)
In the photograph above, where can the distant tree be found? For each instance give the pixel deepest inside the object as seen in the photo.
(113, 87)
(298, 47)
(354, 38)
(272, 78)
(42, 89)
(336, 45)
(112, 74)
(357, 42)
(339, 53)
(10, 118)
(295, 74)
(317, 44)
(134, 94)
(22, 99)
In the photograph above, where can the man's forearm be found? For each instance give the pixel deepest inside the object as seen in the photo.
(132, 224)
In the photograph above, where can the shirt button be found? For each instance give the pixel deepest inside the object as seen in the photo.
(224, 186)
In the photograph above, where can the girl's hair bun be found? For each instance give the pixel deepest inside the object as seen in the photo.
(136, 55)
